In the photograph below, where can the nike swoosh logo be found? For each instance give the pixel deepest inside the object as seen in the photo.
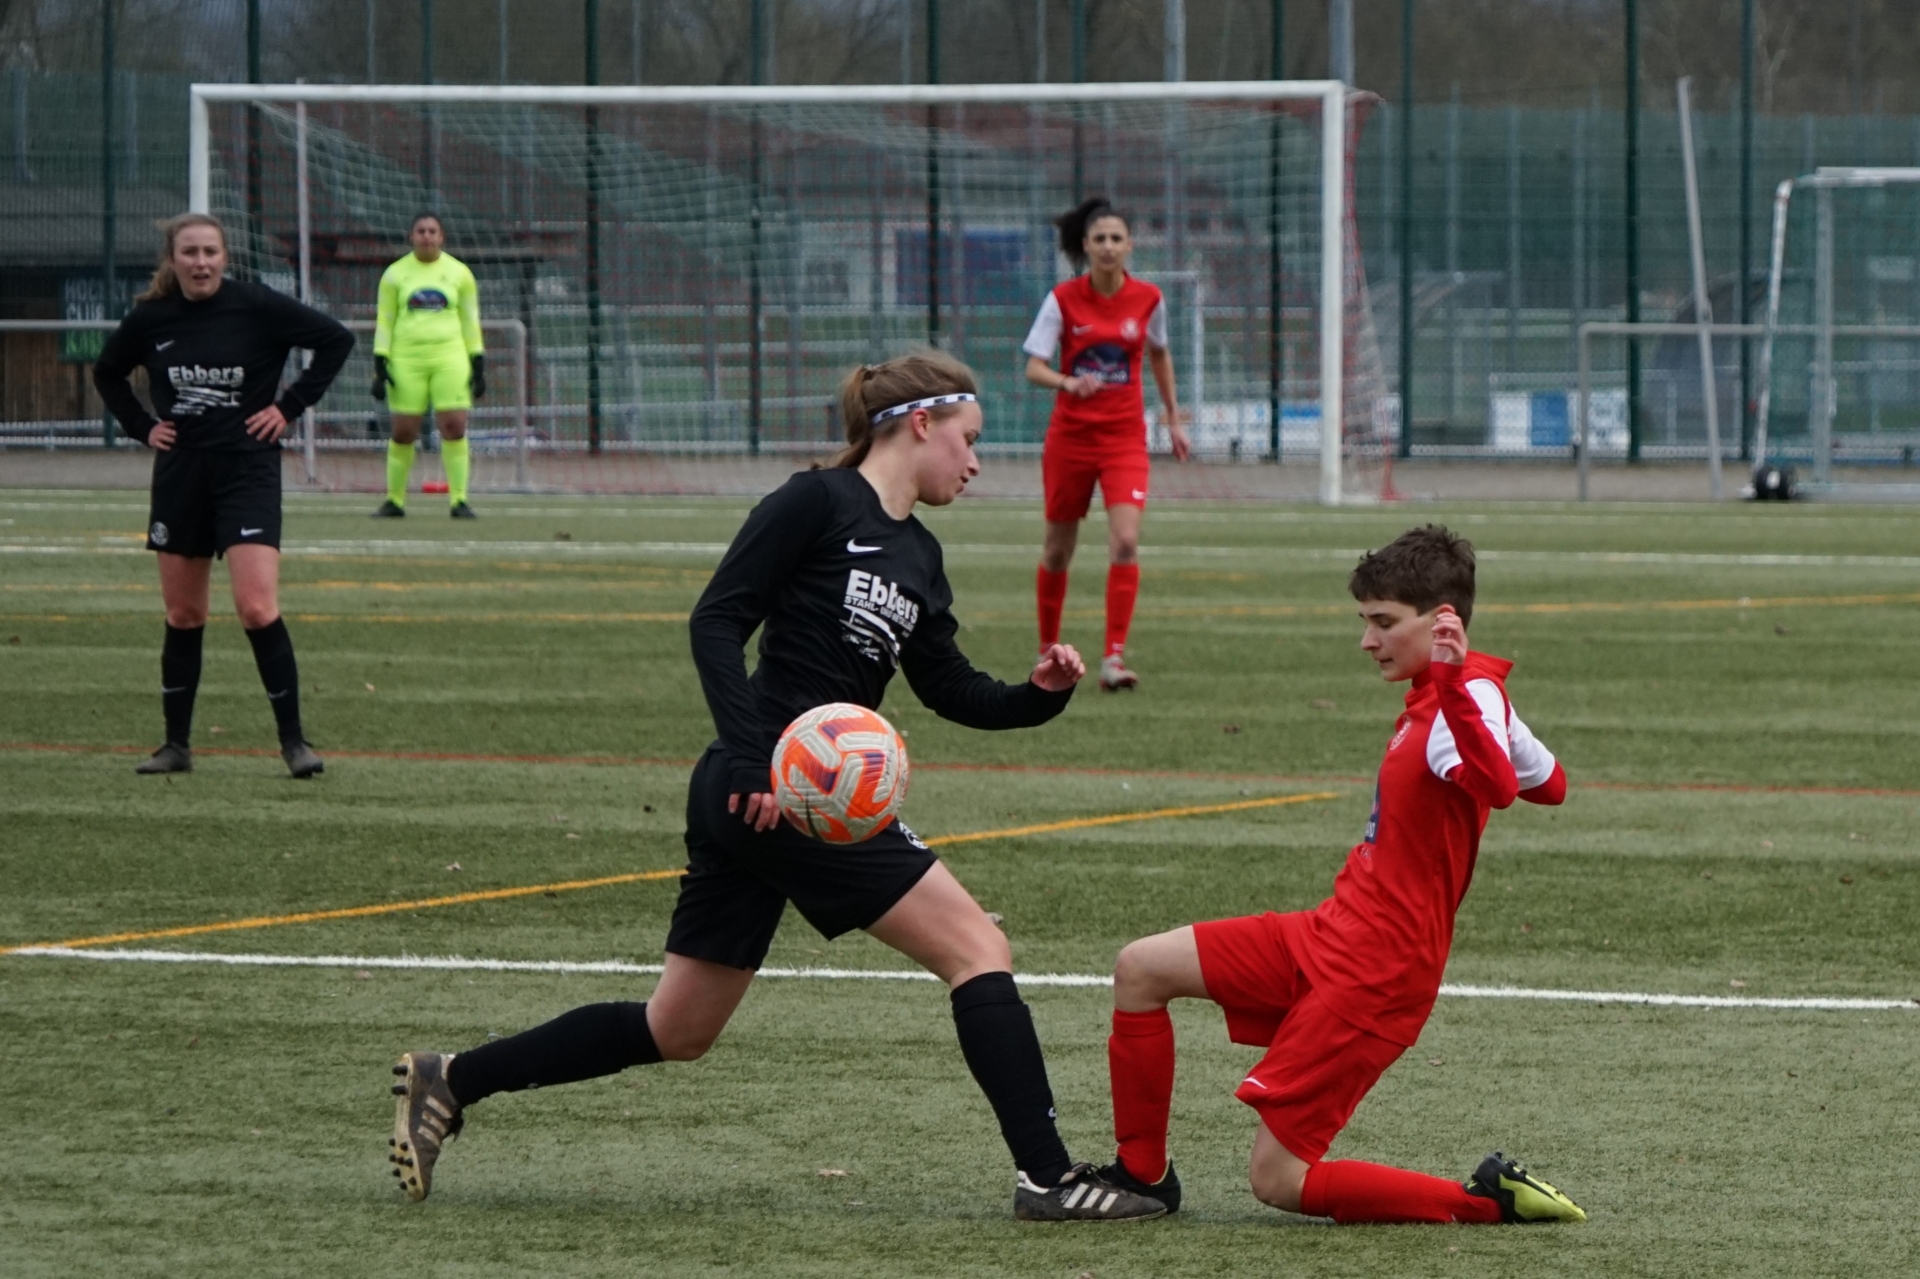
(161, 346)
(250, 532)
(165, 689)
(274, 697)
(854, 547)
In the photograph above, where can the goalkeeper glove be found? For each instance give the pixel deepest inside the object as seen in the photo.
(380, 377)
(477, 379)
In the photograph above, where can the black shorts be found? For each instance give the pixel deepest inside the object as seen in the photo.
(739, 880)
(206, 501)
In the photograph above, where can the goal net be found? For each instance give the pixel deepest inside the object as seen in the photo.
(1839, 359)
(694, 269)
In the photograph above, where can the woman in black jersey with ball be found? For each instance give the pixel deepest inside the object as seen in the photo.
(807, 566)
(214, 350)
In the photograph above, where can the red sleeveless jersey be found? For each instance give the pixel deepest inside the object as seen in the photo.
(1105, 337)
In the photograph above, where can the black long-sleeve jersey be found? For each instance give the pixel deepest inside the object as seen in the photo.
(847, 595)
(214, 363)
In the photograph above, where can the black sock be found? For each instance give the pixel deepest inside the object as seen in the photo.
(1003, 1052)
(180, 679)
(590, 1041)
(273, 654)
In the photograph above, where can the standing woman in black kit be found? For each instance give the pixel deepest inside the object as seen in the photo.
(214, 350)
(849, 588)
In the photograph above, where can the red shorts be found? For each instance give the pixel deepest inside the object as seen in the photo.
(1069, 469)
(1317, 1066)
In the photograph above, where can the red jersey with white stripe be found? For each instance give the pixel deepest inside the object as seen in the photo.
(1378, 946)
(1105, 337)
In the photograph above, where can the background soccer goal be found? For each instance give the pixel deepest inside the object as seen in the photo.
(696, 267)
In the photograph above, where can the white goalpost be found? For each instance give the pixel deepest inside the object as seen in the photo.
(693, 263)
(1823, 391)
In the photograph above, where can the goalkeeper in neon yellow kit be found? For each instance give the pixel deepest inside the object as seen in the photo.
(427, 351)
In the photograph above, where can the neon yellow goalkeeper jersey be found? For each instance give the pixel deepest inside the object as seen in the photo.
(428, 304)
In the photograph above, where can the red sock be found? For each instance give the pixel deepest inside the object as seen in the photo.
(1350, 1191)
(1050, 594)
(1123, 588)
(1140, 1064)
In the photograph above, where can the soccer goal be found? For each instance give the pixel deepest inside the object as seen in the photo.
(1861, 383)
(695, 267)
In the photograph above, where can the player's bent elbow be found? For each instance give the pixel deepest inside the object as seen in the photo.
(1551, 792)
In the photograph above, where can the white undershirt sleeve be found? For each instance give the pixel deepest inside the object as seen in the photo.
(1043, 339)
(1156, 325)
(1532, 761)
(1443, 753)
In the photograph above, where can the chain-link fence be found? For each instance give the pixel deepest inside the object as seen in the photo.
(1506, 225)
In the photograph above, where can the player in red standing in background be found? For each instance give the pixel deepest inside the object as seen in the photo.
(1335, 994)
(1100, 323)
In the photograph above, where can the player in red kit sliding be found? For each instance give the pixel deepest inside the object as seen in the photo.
(1102, 323)
(1335, 994)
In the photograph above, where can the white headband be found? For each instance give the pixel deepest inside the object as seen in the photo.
(932, 402)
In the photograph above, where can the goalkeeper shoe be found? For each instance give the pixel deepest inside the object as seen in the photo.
(426, 1118)
(1114, 674)
(1524, 1199)
(461, 511)
(1166, 1190)
(390, 510)
(174, 757)
(1082, 1195)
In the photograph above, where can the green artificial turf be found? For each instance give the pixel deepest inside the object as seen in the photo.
(501, 707)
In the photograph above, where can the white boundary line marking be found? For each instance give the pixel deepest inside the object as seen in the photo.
(129, 544)
(616, 967)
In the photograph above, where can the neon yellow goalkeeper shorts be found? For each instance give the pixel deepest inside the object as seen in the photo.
(440, 378)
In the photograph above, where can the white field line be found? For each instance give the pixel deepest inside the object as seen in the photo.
(134, 544)
(616, 967)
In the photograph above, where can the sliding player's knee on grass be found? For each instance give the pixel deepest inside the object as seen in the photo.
(1155, 970)
(1276, 1174)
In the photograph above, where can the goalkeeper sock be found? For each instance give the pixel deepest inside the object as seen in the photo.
(456, 458)
(399, 466)
(1350, 1191)
(1050, 598)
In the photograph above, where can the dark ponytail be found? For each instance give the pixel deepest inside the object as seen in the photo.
(1073, 226)
(872, 388)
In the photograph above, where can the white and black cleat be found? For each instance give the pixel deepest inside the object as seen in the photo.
(426, 1118)
(1082, 1195)
(302, 761)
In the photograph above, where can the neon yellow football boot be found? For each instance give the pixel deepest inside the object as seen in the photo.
(1524, 1199)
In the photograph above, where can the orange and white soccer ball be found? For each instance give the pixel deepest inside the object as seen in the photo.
(840, 773)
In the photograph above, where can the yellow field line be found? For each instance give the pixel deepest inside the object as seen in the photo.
(571, 885)
(1082, 823)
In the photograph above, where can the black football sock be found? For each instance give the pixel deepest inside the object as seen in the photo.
(180, 679)
(1003, 1052)
(590, 1041)
(273, 654)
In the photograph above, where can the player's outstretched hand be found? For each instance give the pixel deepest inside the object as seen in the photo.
(162, 436)
(1449, 637)
(269, 424)
(762, 813)
(1059, 668)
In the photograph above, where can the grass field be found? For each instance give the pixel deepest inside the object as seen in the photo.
(1731, 690)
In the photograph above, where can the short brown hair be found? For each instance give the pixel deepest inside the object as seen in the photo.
(1423, 568)
(872, 388)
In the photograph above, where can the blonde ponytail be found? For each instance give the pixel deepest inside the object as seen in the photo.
(874, 388)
